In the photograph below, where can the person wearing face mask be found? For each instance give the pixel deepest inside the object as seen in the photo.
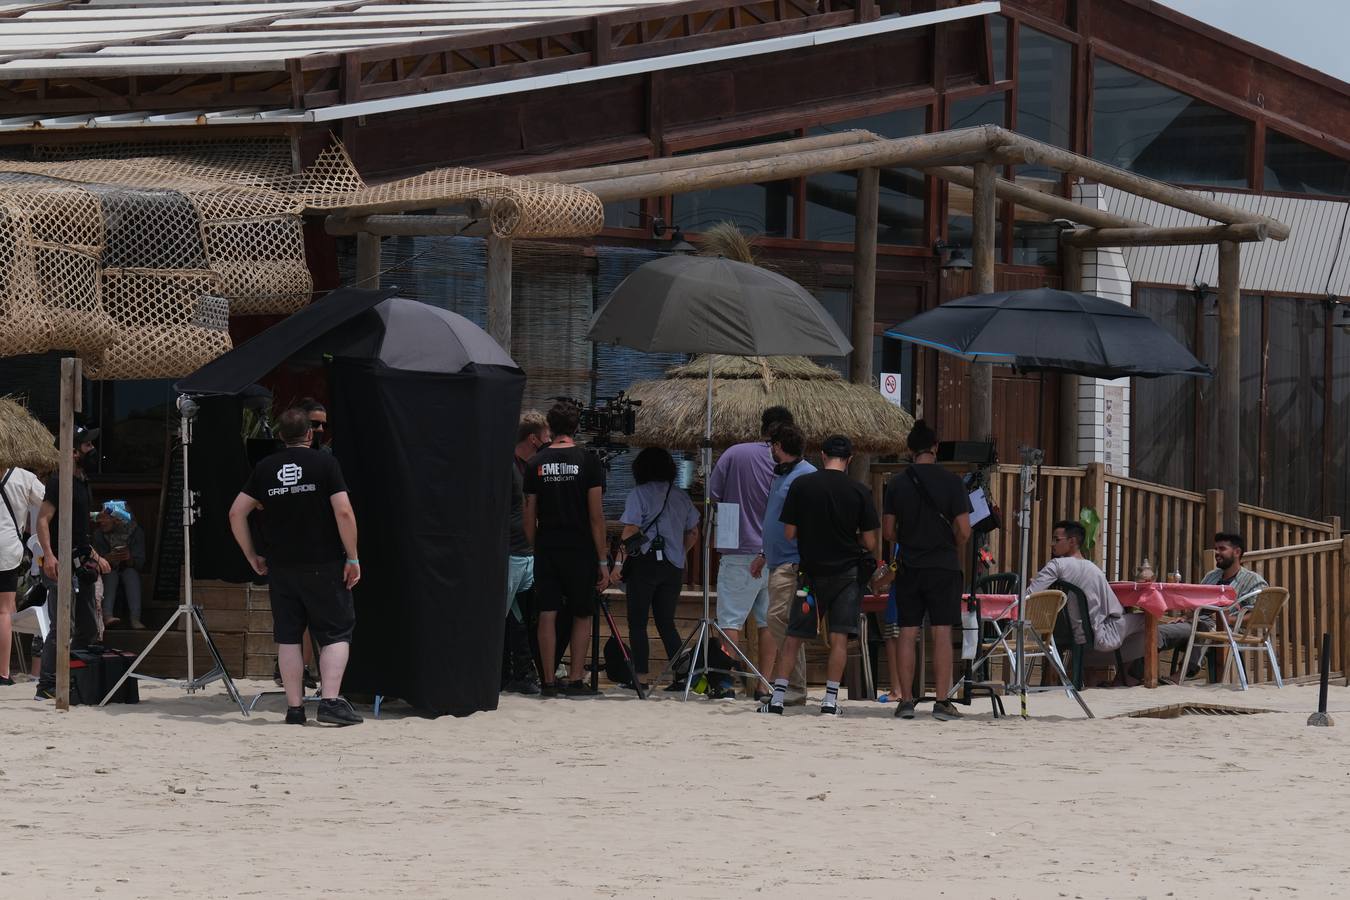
(86, 564)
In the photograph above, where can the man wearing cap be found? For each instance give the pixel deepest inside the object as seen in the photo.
(834, 522)
(86, 565)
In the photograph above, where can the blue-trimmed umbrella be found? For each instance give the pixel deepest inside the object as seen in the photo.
(1045, 330)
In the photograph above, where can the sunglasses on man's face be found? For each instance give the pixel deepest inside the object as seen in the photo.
(318, 426)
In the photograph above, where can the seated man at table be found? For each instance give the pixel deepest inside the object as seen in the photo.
(1109, 625)
(1228, 550)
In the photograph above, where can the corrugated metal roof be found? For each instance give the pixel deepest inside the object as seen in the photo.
(1314, 260)
(74, 38)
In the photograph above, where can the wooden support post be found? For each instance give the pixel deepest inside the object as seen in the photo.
(1344, 661)
(1051, 205)
(1167, 237)
(864, 290)
(1072, 260)
(864, 275)
(1214, 518)
(984, 214)
(499, 291)
(408, 224)
(70, 404)
(1226, 443)
(367, 260)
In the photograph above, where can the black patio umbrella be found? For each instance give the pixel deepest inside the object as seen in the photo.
(1045, 330)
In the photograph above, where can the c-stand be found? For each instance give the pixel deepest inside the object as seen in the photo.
(187, 609)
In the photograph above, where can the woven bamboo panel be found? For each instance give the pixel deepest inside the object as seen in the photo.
(134, 255)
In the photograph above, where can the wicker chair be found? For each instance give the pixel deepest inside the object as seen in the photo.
(1249, 633)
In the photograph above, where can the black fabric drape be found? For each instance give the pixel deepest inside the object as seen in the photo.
(426, 459)
(218, 466)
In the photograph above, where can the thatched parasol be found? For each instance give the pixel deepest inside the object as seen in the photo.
(822, 402)
(24, 442)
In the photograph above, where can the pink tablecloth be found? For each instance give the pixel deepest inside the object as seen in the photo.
(1158, 597)
(992, 606)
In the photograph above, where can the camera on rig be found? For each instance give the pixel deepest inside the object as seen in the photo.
(615, 416)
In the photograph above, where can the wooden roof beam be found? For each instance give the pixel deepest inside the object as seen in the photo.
(1050, 204)
(915, 152)
(408, 225)
(1148, 188)
(1167, 237)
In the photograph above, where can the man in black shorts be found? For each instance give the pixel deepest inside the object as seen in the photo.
(927, 511)
(565, 523)
(309, 532)
(827, 514)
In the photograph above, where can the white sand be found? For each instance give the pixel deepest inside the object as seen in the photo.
(612, 797)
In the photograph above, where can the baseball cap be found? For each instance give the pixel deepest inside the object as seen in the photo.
(838, 446)
(85, 435)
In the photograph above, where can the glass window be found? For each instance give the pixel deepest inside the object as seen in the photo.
(1145, 127)
(1044, 105)
(986, 109)
(134, 417)
(1035, 239)
(1294, 166)
(624, 214)
(998, 38)
(832, 197)
(762, 209)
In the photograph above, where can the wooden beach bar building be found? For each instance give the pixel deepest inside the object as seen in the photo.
(1082, 121)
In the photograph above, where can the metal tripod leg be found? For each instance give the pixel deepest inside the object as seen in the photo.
(190, 684)
(1053, 656)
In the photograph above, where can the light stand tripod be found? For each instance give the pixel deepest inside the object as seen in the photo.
(703, 635)
(187, 610)
(1016, 628)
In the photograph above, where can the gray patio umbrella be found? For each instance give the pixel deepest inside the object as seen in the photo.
(713, 305)
(700, 304)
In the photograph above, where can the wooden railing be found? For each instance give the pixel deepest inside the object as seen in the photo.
(1265, 528)
(1140, 520)
(1317, 576)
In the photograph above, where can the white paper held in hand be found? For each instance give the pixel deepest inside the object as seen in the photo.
(728, 526)
(979, 509)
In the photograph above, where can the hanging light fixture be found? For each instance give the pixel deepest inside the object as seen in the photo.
(952, 258)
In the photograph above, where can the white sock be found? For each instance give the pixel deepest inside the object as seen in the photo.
(831, 694)
(780, 687)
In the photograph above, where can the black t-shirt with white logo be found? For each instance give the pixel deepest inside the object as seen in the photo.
(560, 480)
(295, 488)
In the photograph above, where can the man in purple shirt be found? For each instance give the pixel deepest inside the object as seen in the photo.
(743, 475)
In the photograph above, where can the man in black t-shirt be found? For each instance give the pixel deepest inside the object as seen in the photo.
(565, 523)
(309, 530)
(927, 512)
(828, 514)
(86, 565)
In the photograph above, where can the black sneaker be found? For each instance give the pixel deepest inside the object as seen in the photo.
(295, 715)
(338, 712)
(835, 710)
(45, 694)
(721, 693)
(551, 689)
(945, 711)
(521, 686)
(774, 708)
(6, 680)
(578, 689)
(675, 687)
(905, 710)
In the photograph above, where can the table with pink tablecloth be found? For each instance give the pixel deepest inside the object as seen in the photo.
(1156, 598)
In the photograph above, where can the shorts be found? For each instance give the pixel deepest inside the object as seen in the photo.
(519, 578)
(836, 597)
(9, 581)
(310, 597)
(565, 579)
(739, 594)
(936, 592)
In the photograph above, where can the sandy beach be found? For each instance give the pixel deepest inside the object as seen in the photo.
(613, 797)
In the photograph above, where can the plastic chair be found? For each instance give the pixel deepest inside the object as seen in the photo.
(997, 583)
(1249, 633)
(1079, 599)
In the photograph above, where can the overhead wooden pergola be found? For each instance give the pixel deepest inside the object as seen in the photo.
(968, 157)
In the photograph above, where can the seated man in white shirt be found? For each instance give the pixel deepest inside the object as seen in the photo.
(1107, 629)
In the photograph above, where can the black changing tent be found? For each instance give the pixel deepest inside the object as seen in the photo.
(427, 405)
